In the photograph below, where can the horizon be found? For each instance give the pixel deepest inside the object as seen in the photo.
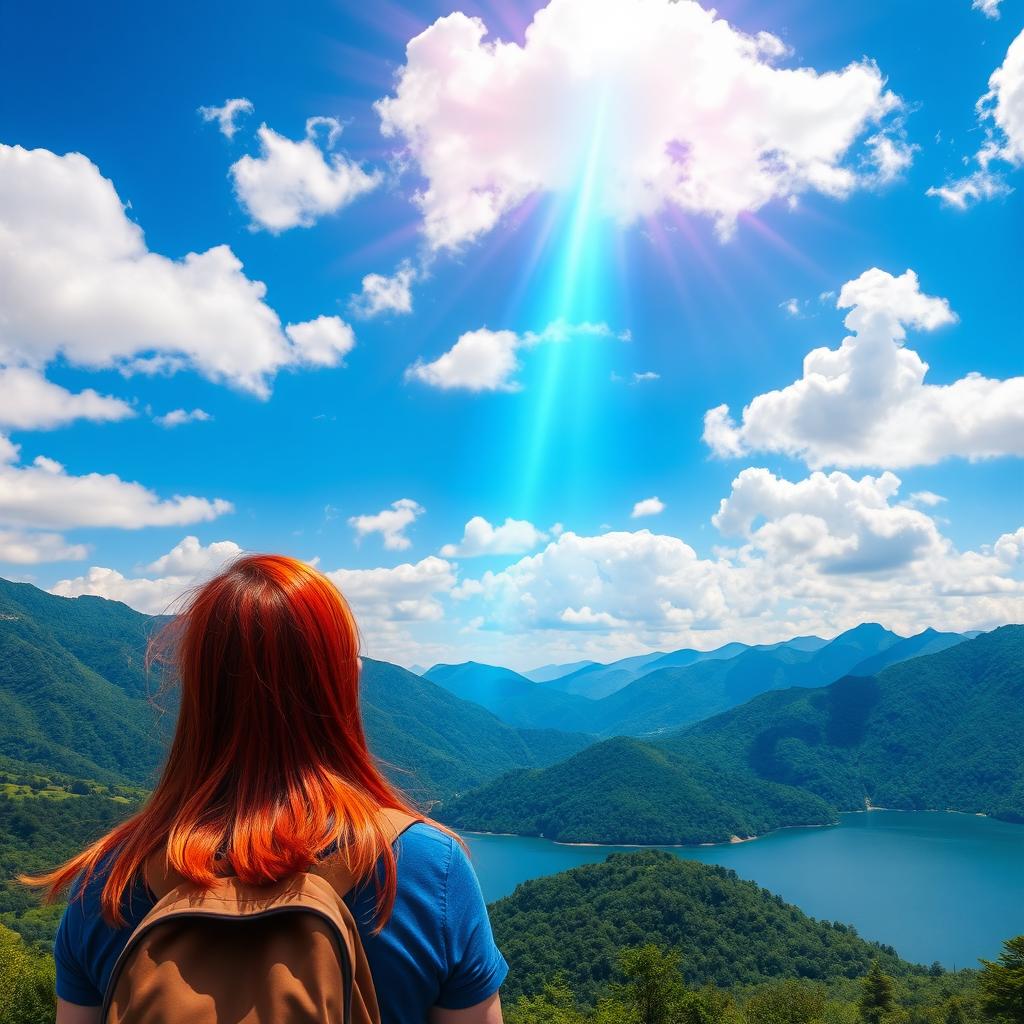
(533, 383)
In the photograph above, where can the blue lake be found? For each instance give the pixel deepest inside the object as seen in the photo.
(946, 887)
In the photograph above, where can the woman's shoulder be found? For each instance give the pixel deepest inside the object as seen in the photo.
(425, 849)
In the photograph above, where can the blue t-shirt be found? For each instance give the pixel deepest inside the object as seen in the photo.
(436, 950)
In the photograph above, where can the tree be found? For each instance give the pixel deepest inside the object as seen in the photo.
(555, 1005)
(787, 1002)
(877, 995)
(654, 992)
(1002, 984)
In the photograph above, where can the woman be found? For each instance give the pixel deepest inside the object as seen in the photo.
(269, 772)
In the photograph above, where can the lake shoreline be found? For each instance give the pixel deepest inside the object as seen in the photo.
(732, 840)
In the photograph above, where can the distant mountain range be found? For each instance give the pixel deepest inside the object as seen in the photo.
(940, 731)
(655, 693)
(74, 699)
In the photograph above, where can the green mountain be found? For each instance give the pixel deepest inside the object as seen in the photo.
(436, 745)
(595, 681)
(626, 791)
(548, 673)
(938, 731)
(669, 698)
(730, 932)
(930, 641)
(74, 699)
(510, 696)
(72, 686)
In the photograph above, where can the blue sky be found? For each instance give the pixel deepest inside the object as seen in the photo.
(717, 269)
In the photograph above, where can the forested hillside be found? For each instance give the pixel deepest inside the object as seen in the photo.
(75, 699)
(728, 931)
(940, 731)
(625, 791)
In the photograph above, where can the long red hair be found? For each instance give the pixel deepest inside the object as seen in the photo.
(269, 765)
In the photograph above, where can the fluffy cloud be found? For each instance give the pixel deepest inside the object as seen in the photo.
(866, 402)
(382, 294)
(1001, 114)
(839, 524)
(486, 360)
(648, 507)
(292, 184)
(77, 281)
(190, 558)
(990, 8)
(407, 592)
(28, 401)
(324, 341)
(225, 116)
(481, 360)
(391, 523)
(44, 495)
(178, 417)
(513, 537)
(187, 564)
(673, 105)
(20, 547)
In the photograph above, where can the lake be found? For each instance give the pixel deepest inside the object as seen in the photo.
(936, 886)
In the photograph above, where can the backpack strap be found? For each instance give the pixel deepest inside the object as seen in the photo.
(335, 870)
(161, 878)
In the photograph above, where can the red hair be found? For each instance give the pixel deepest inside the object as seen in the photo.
(269, 765)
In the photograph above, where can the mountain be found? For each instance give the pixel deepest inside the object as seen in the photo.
(729, 932)
(938, 731)
(510, 696)
(72, 686)
(547, 673)
(596, 680)
(626, 791)
(447, 744)
(669, 698)
(930, 641)
(74, 700)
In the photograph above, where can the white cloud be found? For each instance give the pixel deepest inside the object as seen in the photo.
(976, 187)
(182, 568)
(647, 507)
(791, 306)
(190, 558)
(928, 498)
(225, 116)
(840, 524)
(178, 417)
(866, 403)
(382, 294)
(407, 592)
(479, 537)
(324, 341)
(28, 401)
(20, 547)
(77, 281)
(481, 360)
(486, 360)
(670, 103)
(990, 8)
(1001, 114)
(294, 183)
(44, 495)
(391, 523)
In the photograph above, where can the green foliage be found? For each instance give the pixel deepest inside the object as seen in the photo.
(940, 731)
(728, 931)
(44, 820)
(26, 983)
(1002, 984)
(878, 995)
(625, 791)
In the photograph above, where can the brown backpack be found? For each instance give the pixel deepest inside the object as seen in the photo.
(287, 953)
